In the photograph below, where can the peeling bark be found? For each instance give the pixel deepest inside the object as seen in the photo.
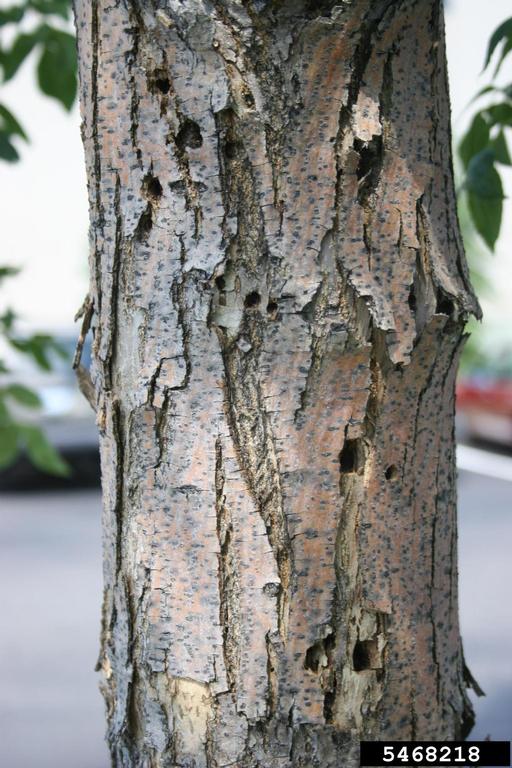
(278, 296)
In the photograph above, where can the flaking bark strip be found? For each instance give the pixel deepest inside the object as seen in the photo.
(229, 583)
(251, 434)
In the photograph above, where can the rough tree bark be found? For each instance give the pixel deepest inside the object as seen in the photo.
(278, 296)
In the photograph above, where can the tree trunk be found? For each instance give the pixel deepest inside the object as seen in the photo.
(278, 296)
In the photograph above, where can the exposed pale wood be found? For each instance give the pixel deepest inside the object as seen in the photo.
(278, 295)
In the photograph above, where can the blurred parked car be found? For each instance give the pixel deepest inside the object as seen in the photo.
(484, 408)
(65, 415)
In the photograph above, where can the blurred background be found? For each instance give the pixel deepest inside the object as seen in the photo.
(51, 713)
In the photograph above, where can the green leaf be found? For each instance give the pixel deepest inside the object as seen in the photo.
(504, 53)
(475, 140)
(9, 444)
(9, 124)
(42, 453)
(499, 114)
(7, 320)
(486, 215)
(8, 272)
(56, 70)
(506, 90)
(483, 91)
(55, 7)
(485, 196)
(482, 178)
(23, 395)
(12, 15)
(500, 149)
(39, 347)
(36, 347)
(16, 55)
(5, 418)
(7, 150)
(503, 32)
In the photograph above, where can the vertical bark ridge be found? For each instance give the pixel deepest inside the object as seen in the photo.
(279, 296)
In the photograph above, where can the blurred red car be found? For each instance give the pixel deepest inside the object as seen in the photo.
(484, 408)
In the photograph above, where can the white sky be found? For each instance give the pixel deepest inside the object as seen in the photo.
(44, 204)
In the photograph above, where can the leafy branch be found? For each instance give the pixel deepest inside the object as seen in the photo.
(56, 65)
(484, 147)
(32, 26)
(17, 436)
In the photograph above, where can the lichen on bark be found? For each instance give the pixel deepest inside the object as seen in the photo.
(278, 295)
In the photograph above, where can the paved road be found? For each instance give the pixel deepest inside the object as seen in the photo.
(485, 572)
(51, 715)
